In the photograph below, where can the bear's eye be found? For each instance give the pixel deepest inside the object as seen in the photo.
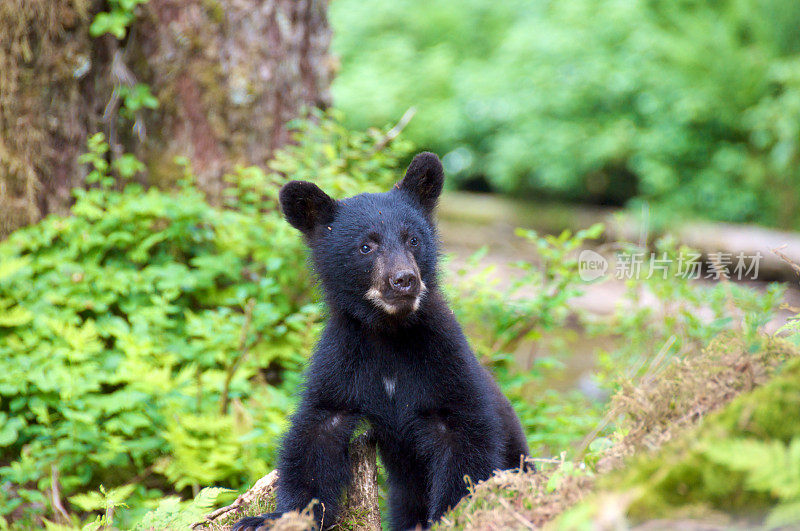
(413, 242)
(365, 249)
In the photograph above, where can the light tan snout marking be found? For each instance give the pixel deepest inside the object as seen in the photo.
(375, 296)
(422, 290)
(375, 293)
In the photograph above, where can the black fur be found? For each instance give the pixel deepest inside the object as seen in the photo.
(305, 205)
(424, 180)
(436, 413)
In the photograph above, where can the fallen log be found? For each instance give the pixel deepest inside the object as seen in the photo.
(493, 218)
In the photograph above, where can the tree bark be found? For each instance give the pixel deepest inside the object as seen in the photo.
(228, 77)
(361, 509)
(43, 116)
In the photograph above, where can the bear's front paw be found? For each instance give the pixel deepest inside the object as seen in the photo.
(255, 523)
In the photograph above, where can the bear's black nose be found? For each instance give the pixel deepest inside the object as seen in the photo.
(404, 280)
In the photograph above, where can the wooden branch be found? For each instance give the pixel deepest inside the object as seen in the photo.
(262, 488)
(224, 399)
(395, 131)
(792, 263)
(55, 495)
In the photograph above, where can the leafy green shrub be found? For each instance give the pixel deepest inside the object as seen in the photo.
(155, 339)
(692, 105)
(117, 20)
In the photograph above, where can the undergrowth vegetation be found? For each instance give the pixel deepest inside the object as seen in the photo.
(697, 426)
(534, 305)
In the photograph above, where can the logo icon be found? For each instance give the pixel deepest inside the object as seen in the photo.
(591, 265)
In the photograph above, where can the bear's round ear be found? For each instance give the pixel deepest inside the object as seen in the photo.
(424, 180)
(305, 205)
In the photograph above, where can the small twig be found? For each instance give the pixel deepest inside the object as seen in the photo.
(786, 259)
(789, 307)
(503, 343)
(109, 515)
(395, 131)
(121, 76)
(549, 460)
(262, 487)
(656, 361)
(198, 399)
(605, 421)
(224, 400)
(518, 517)
(55, 494)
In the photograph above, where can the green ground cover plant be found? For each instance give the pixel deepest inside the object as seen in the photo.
(152, 341)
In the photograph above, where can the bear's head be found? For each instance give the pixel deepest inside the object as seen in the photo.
(375, 254)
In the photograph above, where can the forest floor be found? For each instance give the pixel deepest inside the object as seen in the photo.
(682, 462)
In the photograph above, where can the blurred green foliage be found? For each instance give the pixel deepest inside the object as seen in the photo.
(120, 15)
(692, 105)
(155, 339)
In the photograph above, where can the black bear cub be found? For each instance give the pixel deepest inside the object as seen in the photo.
(392, 353)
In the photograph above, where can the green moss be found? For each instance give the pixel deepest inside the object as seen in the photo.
(354, 519)
(766, 413)
(42, 46)
(215, 10)
(704, 471)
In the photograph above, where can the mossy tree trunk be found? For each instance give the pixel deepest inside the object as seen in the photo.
(228, 76)
(43, 111)
(360, 510)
